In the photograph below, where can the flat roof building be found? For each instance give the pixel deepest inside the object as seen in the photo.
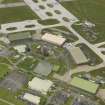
(19, 36)
(77, 55)
(20, 48)
(31, 98)
(85, 85)
(43, 68)
(53, 39)
(40, 85)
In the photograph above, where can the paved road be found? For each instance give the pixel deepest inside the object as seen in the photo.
(100, 44)
(8, 5)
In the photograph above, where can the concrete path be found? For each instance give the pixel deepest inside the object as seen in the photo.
(11, 5)
(99, 44)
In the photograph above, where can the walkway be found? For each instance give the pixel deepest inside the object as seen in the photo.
(8, 5)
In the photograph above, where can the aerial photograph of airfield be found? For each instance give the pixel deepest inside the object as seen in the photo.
(52, 52)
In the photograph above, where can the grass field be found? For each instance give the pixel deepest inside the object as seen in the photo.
(91, 10)
(4, 60)
(69, 101)
(16, 14)
(10, 97)
(99, 72)
(2, 103)
(61, 30)
(4, 69)
(27, 64)
(10, 1)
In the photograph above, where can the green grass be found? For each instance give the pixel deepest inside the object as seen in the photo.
(48, 22)
(16, 14)
(90, 54)
(57, 31)
(27, 64)
(91, 10)
(98, 72)
(6, 95)
(2, 103)
(69, 101)
(4, 69)
(4, 60)
(10, 1)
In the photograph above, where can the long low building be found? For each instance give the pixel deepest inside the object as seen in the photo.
(40, 85)
(85, 85)
(31, 98)
(78, 55)
(53, 39)
(19, 36)
(20, 48)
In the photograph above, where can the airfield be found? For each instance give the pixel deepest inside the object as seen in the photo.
(59, 43)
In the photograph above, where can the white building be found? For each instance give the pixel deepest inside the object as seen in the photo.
(31, 98)
(20, 48)
(40, 85)
(53, 39)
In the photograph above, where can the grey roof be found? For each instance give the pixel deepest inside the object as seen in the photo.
(43, 68)
(78, 55)
(19, 36)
